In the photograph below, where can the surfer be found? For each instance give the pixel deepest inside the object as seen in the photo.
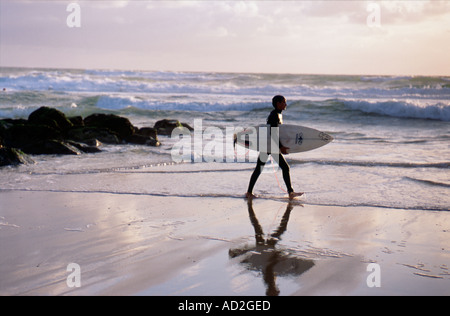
(275, 119)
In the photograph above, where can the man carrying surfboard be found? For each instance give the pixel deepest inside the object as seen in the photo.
(275, 119)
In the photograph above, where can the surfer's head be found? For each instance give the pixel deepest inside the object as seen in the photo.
(279, 102)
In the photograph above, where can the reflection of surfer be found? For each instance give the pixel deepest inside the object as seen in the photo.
(266, 258)
(274, 120)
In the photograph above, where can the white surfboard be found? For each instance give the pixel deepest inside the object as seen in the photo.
(296, 138)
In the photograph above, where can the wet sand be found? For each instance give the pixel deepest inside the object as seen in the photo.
(127, 244)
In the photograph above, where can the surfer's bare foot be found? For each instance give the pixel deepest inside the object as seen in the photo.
(293, 195)
(250, 196)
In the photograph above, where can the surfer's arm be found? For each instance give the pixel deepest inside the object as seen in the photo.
(274, 121)
(276, 138)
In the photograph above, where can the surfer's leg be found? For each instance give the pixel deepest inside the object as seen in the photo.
(286, 172)
(287, 177)
(256, 173)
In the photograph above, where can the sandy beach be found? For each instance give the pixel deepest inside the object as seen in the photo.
(154, 244)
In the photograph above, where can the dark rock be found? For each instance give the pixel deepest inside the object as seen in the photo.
(49, 131)
(20, 136)
(76, 121)
(143, 140)
(85, 148)
(88, 135)
(13, 157)
(36, 139)
(50, 147)
(117, 124)
(144, 136)
(50, 117)
(2, 132)
(147, 131)
(165, 127)
(93, 143)
(7, 123)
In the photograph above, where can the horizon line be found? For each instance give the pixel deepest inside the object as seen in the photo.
(224, 72)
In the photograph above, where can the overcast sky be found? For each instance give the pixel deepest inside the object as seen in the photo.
(314, 37)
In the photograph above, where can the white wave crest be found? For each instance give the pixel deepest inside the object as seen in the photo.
(403, 109)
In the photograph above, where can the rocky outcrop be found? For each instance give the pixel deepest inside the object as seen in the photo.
(120, 126)
(50, 117)
(19, 135)
(50, 147)
(165, 127)
(88, 135)
(11, 156)
(144, 136)
(49, 131)
(147, 132)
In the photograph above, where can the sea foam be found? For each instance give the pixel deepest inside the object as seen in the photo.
(403, 109)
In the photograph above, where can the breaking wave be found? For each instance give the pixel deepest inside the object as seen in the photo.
(403, 109)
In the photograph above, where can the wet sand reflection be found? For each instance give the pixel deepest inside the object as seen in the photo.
(266, 257)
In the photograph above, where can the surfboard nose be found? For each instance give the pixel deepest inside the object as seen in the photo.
(325, 137)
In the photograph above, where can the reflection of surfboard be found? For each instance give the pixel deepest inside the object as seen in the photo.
(297, 138)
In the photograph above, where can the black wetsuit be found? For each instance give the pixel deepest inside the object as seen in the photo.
(275, 119)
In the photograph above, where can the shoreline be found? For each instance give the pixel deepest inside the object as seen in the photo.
(156, 245)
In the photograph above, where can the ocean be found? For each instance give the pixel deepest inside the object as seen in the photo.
(391, 145)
